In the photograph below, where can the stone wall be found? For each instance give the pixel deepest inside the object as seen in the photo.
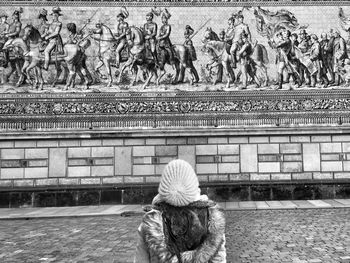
(139, 161)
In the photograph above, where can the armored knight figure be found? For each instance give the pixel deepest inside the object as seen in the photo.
(164, 42)
(188, 42)
(240, 29)
(44, 25)
(121, 35)
(150, 32)
(53, 36)
(4, 27)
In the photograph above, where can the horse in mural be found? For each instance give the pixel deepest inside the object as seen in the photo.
(218, 52)
(72, 60)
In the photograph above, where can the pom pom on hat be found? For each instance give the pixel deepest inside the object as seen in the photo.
(179, 184)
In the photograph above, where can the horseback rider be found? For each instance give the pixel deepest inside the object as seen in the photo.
(239, 29)
(188, 42)
(150, 32)
(244, 57)
(53, 36)
(4, 27)
(14, 29)
(44, 25)
(163, 38)
(230, 32)
(121, 35)
(222, 34)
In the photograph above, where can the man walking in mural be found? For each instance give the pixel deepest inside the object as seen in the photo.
(44, 25)
(239, 29)
(304, 47)
(188, 42)
(316, 58)
(326, 56)
(247, 66)
(339, 55)
(164, 43)
(121, 35)
(150, 32)
(53, 37)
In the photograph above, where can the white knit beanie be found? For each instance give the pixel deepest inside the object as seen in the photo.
(179, 184)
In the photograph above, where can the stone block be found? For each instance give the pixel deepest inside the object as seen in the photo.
(207, 168)
(79, 171)
(25, 144)
(311, 157)
(330, 157)
(331, 147)
(38, 172)
(230, 158)
(7, 144)
(10, 154)
(299, 138)
(341, 175)
(122, 161)
(134, 141)
(268, 157)
(69, 143)
(91, 142)
(176, 141)
(152, 179)
(47, 143)
(90, 181)
(322, 176)
(102, 152)
(36, 153)
(217, 140)
(103, 161)
(165, 160)
(233, 140)
(268, 149)
(11, 164)
(202, 178)
(239, 177)
(112, 142)
(68, 181)
(142, 160)
(346, 147)
(102, 170)
(166, 150)
(249, 158)
(228, 168)
(292, 157)
(78, 162)
(346, 166)
(277, 139)
(218, 178)
(260, 177)
(12, 173)
(160, 169)
(291, 167)
(269, 167)
(331, 166)
(206, 149)
(258, 139)
(57, 162)
(5, 183)
(197, 140)
(228, 149)
(79, 152)
(23, 183)
(321, 138)
(143, 170)
(112, 180)
(187, 153)
(341, 138)
(155, 141)
(46, 182)
(143, 151)
(290, 148)
(302, 176)
(206, 159)
(281, 176)
(131, 179)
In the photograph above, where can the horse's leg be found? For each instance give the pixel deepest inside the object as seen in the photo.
(122, 71)
(177, 73)
(12, 69)
(109, 72)
(83, 72)
(58, 73)
(23, 76)
(161, 74)
(71, 75)
(32, 65)
(39, 77)
(150, 72)
(225, 66)
(182, 73)
(135, 71)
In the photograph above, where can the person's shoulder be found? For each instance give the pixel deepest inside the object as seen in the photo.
(216, 222)
(152, 215)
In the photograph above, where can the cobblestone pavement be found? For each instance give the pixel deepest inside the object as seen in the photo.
(318, 235)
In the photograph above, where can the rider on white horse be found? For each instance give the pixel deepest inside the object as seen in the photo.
(150, 32)
(13, 30)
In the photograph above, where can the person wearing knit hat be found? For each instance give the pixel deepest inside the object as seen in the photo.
(183, 225)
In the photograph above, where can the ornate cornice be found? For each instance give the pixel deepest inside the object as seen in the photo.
(106, 111)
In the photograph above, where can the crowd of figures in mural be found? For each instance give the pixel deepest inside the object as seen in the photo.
(234, 56)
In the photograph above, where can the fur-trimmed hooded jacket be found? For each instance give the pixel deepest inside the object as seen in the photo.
(162, 229)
